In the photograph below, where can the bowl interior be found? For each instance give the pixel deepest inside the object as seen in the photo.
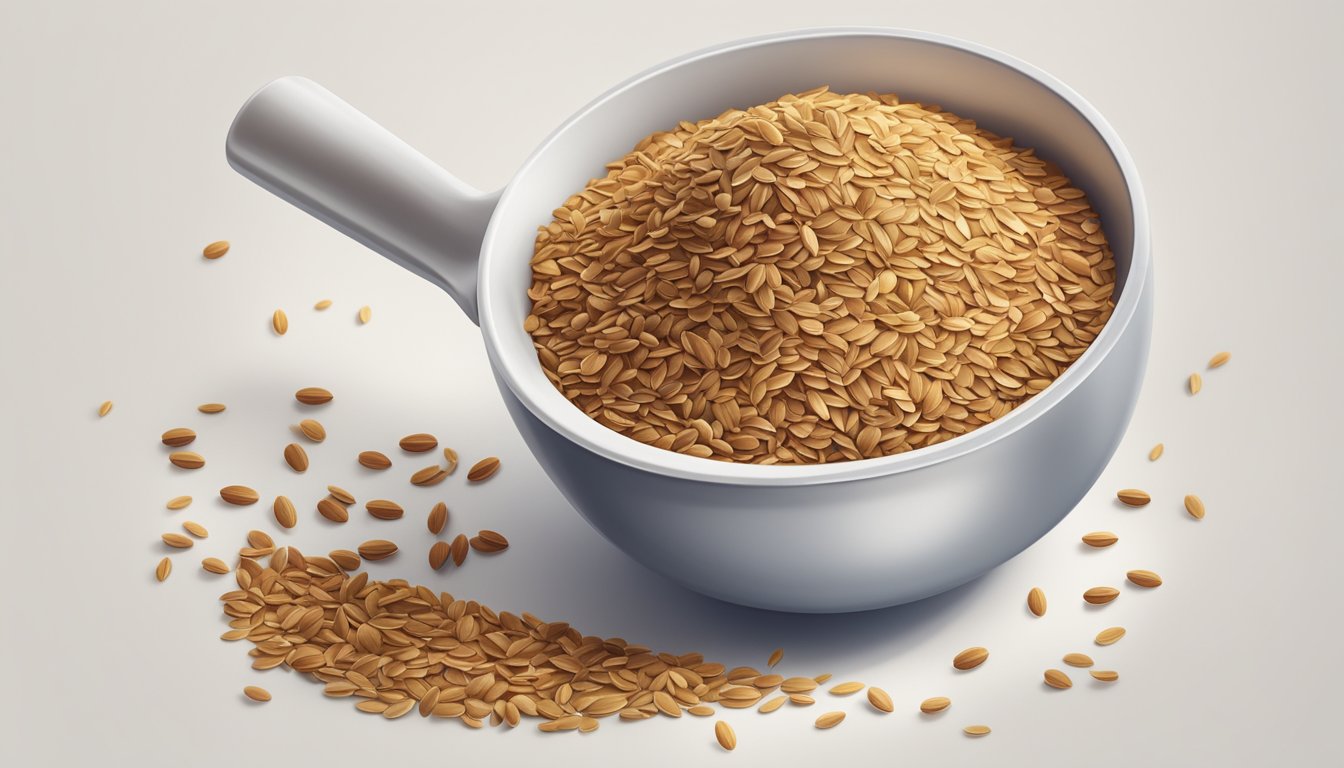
(1007, 97)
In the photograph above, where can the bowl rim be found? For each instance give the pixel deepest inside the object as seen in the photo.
(625, 450)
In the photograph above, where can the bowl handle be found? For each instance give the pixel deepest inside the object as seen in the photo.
(303, 144)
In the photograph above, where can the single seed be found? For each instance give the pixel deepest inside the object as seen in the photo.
(1133, 497)
(776, 656)
(489, 542)
(1220, 359)
(210, 407)
(313, 430)
(333, 511)
(384, 509)
(1057, 679)
(105, 408)
(365, 314)
(178, 437)
(976, 730)
(285, 514)
(214, 565)
(483, 470)
(257, 693)
(700, 710)
(1105, 675)
(238, 495)
(459, 549)
(322, 304)
(1036, 601)
(724, 733)
(346, 559)
(935, 704)
(179, 502)
(177, 540)
(830, 719)
(164, 568)
(970, 658)
(431, 475)
(1195, 506)
(313, 396)
(845, 689)
(260, 539)
(819, 679)
(280, 322)
(880, 700)
(1110, 635)
(296, 457)
(187, 459)
(1101, 595)
(1196, 383)
(419, 443)
(798, 685)
(772, 705)
(377, 549)
(801, 700)
(196, 529)
(450, 457)
(438, 518)
(1144, 578)
(1077, 659)
(438, 554)
(374, 460)
(1156, 453)
(1100, 539)
(215, 249)
(340, 494)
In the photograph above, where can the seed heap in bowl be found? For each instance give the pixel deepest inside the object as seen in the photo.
(826, 277)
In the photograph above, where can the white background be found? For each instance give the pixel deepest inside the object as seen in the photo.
(113, 176)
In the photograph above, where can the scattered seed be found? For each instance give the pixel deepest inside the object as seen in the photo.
(1196, 383)
(313, 396)
(365, 314)
(1110, 635)
(1077, 659)
(798, 685)
(179, 502)
(215, 249)
(377, 549)
(935, 704)
(1057, 679)
(489, 542)
(801, 700)
(384, 509)
(196, 529)
(187, 459)
(1036, 601)
(346, 559)
(1220, 359)
(178, 437)
(483, 470)
(214, 565)
(257, 693)
(333, 511)
(819, 679)
(845, 689)
(1145, 578)
(1195, 506)
(1100, 539)
(459, 549)
(340, 494)
(280, 322)
(374, 460)
(296, 457)
(1105, 675)
(772, 705)
(285, 514)
(976, 730)
(431, 475)
(105, 408)
(450, 457)
(1133, 497)
(438, 554)
(322, 304)
(210, 407)
(438, 518)
(239, 495)
(419, 443)
(313, 430)
(830, 719)
(1156, 452)
(970, 658)
(881, 700)
(164, 568)
(776, 656)
(260, 539)
(177, 540)
(1101, 595)
(701, 710)
(724, 733)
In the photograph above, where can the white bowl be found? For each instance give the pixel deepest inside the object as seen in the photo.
(811, 538)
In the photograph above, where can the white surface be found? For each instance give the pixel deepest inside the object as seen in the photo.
(114, 178)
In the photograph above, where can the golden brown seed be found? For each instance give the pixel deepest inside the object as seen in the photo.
(483, 470)
(214, 565)
(346, 559)
(1100, 539)
(179, 502)
(801, 700)
(1144, 578)
(384, 509)
(1220, 359)
(450, 458)
(210, 407)
(976, 730)
(333, 511)
(105, 408)
(377, 549)
(365, 314)
(1101, 595)
(280, 322)
(438, 518)
(313, 430)
(187, 459)
(699, 710)
(1156, 452)
(164, 568)
(296, 457)
(970, 658)
(724, 733)
(438, 554)
(340, 494)
(1110, 635)
(489, 542)
(257, 693)
(772, 705)
(819, 679)
(845, 689)
(881, 700)
(322, 304)
(239, 495)
(1077, 659)
(776, 656)
(313, 396)
(830, 719)
(1036, 601)
(1057, 679)
(935, 704)
(1105, 675)
(177, 540)
(1195, 506)
(374, 460)
(196, 529)
(419, 443)
(1196, 383)
(285, 514)
(260, 539)
(431, 475)
(459, 549)
(1133, 497)
(178, 437)
(215, 249)
(798, 685)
